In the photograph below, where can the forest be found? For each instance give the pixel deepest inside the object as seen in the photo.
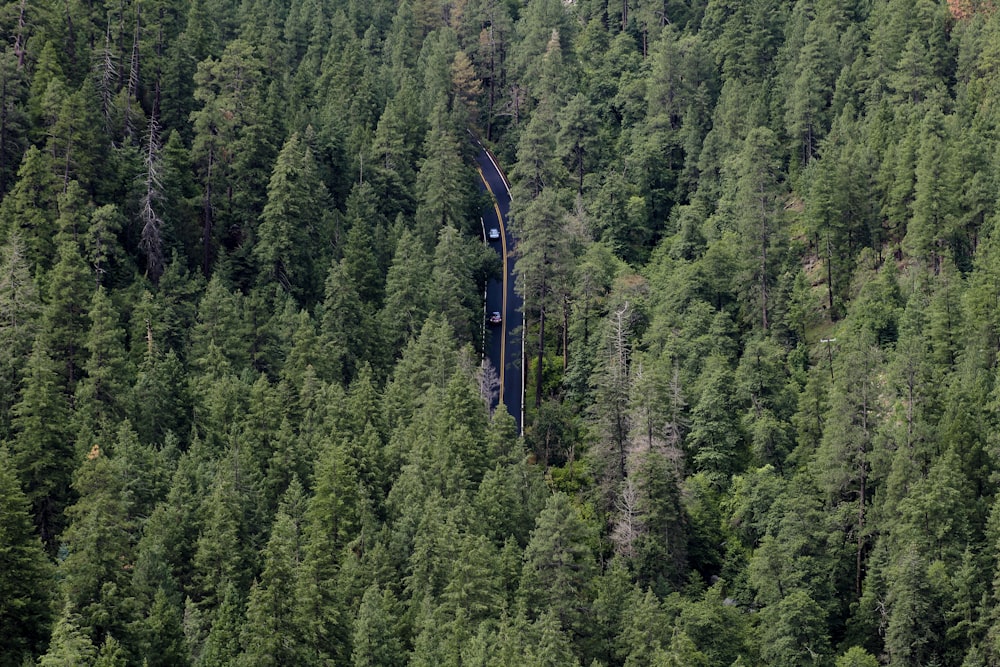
(244, 419)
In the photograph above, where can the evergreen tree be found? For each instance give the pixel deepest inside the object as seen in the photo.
(444, 186)
(30, 208)
(25, 586)
(70, 646)
(272, 633)
(542, 267)
(376, 640)
(559, 566)
(42, 449)
(20, 306)
(230, 97)
(13, 119)
(347, 325)
(100, 540)
(758, 202)
(406, 302)
(64, 319)
(293, 229)
(100, 396)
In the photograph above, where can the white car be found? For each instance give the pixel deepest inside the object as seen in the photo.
(493, 234)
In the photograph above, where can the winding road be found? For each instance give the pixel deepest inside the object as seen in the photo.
(504, 343)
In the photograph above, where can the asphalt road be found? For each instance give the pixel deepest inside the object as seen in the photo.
(503, 341)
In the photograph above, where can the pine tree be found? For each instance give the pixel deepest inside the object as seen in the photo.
(347, 325)
(444, 187)
(30, 208)
(222, 646)
(160, 402)
(453, 291)
(406, 303)
(293, 231)
(272, 633)
(559, 566)
(64, 319)
(13, 116)
(795, 632)
(933, 221)
(220, 323)
(70, 646)
(26, 608)
(42, 449)
(228, 91)
(20, 306)
(575, 143)
(332, 522)
(543, 266)
(219, 560)
(365, 254)
(758, 201)
(100, 539)
(74, 141)
(111, 654)
(716, 440)
(101, 395)
(376, 640)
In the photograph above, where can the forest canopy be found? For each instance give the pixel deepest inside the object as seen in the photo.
(243, 414)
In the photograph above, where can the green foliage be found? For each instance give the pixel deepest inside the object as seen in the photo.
(25, 585)
(757, 244)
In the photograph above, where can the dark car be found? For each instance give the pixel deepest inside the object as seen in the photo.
(494, 317)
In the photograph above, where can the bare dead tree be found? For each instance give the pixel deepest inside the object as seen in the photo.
(133, 80)
(151, 241)
(627, 524)
(613, 402)
(19, 37)
(489, 382)
(106, 71)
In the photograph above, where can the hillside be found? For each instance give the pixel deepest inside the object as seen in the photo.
(243, 414)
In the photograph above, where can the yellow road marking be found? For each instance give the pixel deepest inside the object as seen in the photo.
(503, 307)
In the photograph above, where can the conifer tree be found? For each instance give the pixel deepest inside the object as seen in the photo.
(272, 634)
(26, 609)
(74, 141)
(347, 325)
(13, 117)
(559, 566)
(222, 645)
(364, 248)
(42, 448)
(406, 303)
(20, 306)
(100, 539)
(64, 319)
(543, 266)
(228, 91)
(376, 640)
(444, 191)
(30, 208)
(70, 646)
(293, 229)
(758, 201)
(101, 395)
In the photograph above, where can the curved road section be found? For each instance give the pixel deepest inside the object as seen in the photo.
(503, 338)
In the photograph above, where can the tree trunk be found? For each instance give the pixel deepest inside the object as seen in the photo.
(829, 272)
(541, 356)
(565, 334)
(206, 226)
